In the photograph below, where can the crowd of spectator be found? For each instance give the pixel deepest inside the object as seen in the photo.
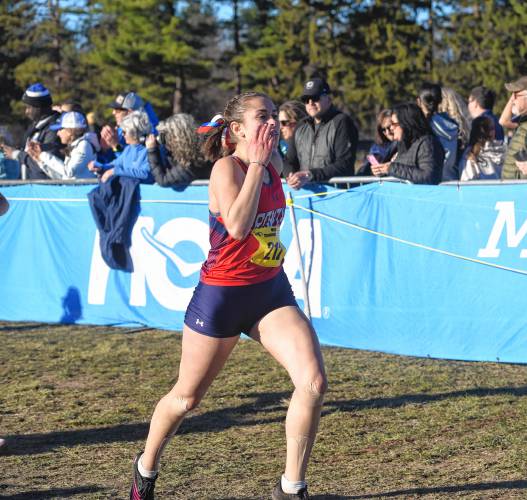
(438, 137)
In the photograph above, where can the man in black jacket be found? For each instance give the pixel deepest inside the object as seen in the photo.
(324, 144)
(38, 109)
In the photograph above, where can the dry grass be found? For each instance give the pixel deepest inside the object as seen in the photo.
(75, 404)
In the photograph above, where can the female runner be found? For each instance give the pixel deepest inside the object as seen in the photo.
(243, 288)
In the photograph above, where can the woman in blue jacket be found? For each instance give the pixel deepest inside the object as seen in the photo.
(133, 161)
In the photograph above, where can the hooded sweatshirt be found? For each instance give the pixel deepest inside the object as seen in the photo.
(446, 130)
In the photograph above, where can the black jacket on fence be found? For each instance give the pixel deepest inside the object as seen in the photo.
(49, 141)
(327, 149)
(168, 172)
(421, 163)
(115, 207)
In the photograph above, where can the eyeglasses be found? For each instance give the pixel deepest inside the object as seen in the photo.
(315, 98)
(287, 123)
(395, 125)
(386, 129)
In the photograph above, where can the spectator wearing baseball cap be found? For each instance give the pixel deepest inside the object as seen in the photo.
(38, 102)
(81, 149)
(514, 115)
(133, 162)
(112, 139)
(324, 144)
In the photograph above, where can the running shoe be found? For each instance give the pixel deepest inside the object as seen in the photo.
(142, 487)
(278, 493)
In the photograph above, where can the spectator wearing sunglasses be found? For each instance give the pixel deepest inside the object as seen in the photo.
(384, 146)
(420, 155)
(289, 114)
(324, 144)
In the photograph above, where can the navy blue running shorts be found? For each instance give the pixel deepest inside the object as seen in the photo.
(227, 311)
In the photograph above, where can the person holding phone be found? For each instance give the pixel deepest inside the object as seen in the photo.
(38, 108)
(419, 153)
(384, 146)
(515, 110)
(243, 288)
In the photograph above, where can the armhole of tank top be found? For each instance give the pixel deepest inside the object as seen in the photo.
(240, 163)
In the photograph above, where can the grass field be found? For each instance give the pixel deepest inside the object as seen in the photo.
(75, 403)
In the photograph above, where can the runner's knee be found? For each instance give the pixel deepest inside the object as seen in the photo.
(181, 405)
(314, 390)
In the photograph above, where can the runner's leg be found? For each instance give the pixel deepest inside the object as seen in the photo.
(202, 358)
(288, 336)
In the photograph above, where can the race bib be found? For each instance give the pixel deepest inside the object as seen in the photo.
(270, 252)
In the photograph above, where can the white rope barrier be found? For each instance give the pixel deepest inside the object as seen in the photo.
(409, 243)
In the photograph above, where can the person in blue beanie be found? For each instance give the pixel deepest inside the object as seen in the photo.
(38, 102)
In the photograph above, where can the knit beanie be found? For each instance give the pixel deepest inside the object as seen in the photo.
(38, 96)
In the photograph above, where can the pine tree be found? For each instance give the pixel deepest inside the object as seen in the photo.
(485, 45)
(53, 56)
(17, 21)
(147, 46)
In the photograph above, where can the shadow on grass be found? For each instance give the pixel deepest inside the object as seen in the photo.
(262, 408)
(255, 412)
(54, 493)
(398, 401)
(499, 485)
(26, 326)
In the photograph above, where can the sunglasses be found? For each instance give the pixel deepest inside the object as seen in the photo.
(287, 123)
(386, 129)
(315, 98)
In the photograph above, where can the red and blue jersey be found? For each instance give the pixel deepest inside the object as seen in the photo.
(259, 256)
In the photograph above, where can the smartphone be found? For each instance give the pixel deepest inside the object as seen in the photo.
(521, 155)
(372, 160)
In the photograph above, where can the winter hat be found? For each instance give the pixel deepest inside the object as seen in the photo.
(38, 96)
(127, 100)
(72, 119)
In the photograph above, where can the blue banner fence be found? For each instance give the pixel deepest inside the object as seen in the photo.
(417, 270)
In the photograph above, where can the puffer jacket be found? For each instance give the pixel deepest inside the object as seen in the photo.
(421, 163)
(168, 172)
(327, 149)
(488, 164)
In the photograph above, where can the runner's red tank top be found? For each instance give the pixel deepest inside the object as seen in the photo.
(260, 255)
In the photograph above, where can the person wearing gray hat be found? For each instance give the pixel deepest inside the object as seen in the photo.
(112, 139)
(515, 115)
(324, 144)
(37, 99)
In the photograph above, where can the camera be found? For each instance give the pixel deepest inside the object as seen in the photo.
(160, 138)
(521, 155)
